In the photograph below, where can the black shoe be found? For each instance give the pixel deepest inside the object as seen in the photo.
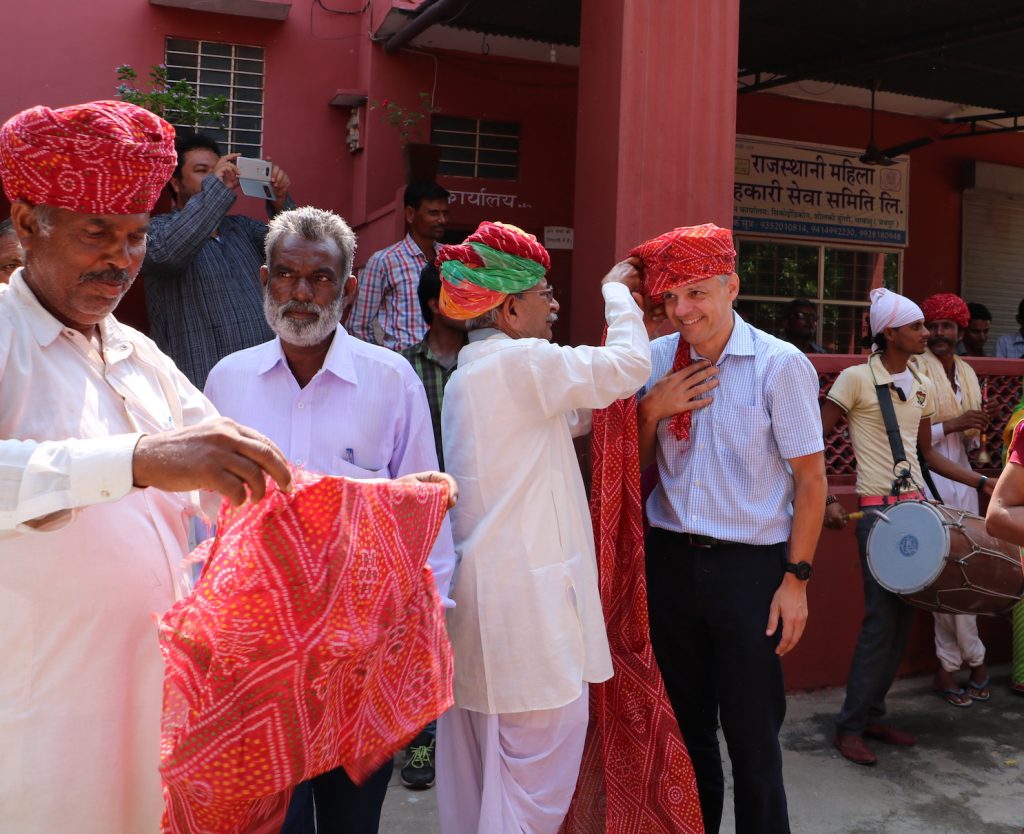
(418, 772)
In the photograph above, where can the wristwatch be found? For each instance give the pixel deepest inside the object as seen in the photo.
(802, 570)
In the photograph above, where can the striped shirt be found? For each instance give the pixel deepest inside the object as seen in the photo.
(434, 377)
(387, 310)
(203, 294)
(730, 480)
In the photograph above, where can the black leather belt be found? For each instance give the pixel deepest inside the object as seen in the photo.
(696, 540)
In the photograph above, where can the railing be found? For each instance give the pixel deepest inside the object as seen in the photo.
(1002, 376)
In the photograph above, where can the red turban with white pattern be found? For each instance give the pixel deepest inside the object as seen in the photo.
(946, 305)
(685, 256)
(104, 157)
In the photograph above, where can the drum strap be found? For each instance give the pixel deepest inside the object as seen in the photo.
(901, 466)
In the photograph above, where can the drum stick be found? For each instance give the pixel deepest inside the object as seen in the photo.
(859, 514)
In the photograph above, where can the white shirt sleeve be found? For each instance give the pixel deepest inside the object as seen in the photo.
(38, 479)
(570, 378)
(414, 452)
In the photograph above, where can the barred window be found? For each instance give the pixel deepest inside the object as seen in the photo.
(476, 148)
(224, 69)
(835, 280)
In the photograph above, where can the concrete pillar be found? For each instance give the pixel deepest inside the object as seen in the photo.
(655, 145)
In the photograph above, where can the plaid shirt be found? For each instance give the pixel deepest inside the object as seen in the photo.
(203, 294)
(387, 309)
(434, 376)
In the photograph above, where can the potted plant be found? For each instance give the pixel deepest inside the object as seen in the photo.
(421, 158)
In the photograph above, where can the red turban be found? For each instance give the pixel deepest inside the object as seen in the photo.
(684, 256)
(104, 157)
(945, 305)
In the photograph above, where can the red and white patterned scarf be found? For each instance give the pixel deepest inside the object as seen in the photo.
(636, 776)
(314, 639)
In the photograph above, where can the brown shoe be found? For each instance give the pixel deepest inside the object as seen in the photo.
(852, 747)
(890, 735)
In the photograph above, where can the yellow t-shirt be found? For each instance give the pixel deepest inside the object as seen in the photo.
(854, 392)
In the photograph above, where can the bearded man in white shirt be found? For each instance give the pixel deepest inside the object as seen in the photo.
(336, 406)
(527, 631)
(105, 439)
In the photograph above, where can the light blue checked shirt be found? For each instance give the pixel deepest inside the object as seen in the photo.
(731, 479)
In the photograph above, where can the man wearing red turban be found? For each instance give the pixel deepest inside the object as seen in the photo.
(730, 416)
(527, 629)
(105, 441)
(958, 419)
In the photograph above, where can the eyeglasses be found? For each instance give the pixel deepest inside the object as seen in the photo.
(547, 292)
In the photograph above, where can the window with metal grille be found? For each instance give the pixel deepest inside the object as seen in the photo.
(476, 148)
(835, 280)
(224, 69)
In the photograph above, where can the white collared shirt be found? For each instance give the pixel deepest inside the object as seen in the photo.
(363, 415)
(80, 670)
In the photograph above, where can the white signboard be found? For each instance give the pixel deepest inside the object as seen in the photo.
(819, 192)
(557, 237)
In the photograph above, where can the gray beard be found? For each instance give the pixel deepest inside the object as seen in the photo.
(302, 333)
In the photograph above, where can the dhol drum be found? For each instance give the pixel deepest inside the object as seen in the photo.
(941, 559)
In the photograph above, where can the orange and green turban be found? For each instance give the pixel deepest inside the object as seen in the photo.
(496, 261)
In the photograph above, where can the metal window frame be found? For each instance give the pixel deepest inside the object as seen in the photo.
(819, 300)
(476, 148)
(235, 73)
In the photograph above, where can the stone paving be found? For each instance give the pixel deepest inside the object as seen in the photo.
(965, 776)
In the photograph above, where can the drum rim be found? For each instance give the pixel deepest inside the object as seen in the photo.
(939, 565)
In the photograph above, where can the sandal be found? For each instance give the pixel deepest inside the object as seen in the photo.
(979, 691)
(954, 697)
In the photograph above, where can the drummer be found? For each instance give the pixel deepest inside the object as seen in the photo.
(899, 332)
(958, 420)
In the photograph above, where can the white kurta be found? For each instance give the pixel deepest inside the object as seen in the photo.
(956, 635)
(80, 668)
(527, 630)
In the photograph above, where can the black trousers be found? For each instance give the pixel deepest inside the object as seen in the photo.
(331, 803)
(880, 646)
(708, 614)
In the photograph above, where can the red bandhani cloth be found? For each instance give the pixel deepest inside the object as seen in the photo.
(636, 776)
(104, 157)
(314, 638)
(946, 305)
(685, 256)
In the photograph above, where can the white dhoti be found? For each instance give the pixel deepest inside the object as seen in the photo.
(957, 641)
(509, 773)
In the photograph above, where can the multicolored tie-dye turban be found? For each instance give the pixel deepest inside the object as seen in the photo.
(685, 256)
(495, 261)
(946, 305)
(104, 157)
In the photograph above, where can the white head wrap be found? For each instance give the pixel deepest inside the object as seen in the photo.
(889, 309)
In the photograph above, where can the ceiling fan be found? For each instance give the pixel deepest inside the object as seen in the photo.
(873, 155)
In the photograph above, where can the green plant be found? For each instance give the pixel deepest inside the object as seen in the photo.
(406, 120)
(176, 101)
